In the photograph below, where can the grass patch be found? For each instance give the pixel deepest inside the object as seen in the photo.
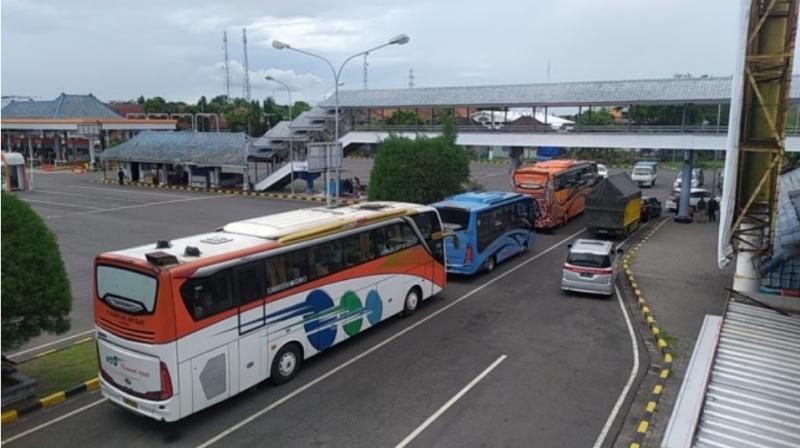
(63, 369)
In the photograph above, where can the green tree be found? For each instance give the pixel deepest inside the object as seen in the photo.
(422, 171)
(35, 288)
(403, 118)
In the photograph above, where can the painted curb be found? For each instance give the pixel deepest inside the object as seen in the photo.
(50, 400)
(656, 332)
(254, 194)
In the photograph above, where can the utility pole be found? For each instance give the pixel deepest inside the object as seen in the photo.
(366, 68)
(548, 72)
(411, 78)
(227, 66)
(246, 78)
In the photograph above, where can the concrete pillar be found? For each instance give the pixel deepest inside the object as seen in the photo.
(30, 158)
(57, 147)
(91, 152)
(686, 186)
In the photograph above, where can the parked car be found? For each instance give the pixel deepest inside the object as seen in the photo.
(697, 179)
(590, 267)
(651, 208)
(645, 173)
(694, 197)
(602, 171)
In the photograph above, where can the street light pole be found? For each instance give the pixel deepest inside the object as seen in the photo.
(402, 39)
(291, 140)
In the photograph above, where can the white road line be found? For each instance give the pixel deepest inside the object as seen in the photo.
(131, 191)
(449, 403)
(57, 341)
(148, 204)
(92, 196)
(51, 422)
(635, 345)
(62, 204)
(378, 346)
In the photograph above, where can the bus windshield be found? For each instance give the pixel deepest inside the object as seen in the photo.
(126, 290)
(454, 218)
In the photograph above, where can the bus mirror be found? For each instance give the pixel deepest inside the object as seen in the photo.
(442, 234)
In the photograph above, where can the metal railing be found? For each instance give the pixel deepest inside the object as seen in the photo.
(541, 129)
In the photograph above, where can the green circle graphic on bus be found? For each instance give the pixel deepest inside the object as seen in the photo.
(352, 305)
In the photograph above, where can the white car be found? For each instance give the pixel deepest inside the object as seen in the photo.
(697, 179)
(602, 171)
(695, 194)
(645, 173)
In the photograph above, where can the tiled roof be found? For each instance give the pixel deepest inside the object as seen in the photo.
(64, 106)
(198, 148)
(643, 91)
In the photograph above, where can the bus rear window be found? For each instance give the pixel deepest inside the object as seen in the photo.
(531, 181)
(454, 218)
(587, 260)
(126, 290)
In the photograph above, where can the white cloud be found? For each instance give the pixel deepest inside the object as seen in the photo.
(298, 82)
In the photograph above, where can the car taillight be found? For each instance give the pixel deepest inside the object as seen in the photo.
(468, 254)
(582, 270)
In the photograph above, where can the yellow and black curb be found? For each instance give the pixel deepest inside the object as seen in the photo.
(255, 194)
(50, 400)
(656, 332)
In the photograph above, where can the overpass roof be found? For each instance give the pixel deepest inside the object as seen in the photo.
(710, 90)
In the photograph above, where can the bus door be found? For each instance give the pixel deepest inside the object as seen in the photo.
(249, 287)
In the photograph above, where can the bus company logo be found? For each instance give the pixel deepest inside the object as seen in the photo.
(114, 360)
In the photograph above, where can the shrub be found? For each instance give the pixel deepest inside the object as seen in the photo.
(35, 288)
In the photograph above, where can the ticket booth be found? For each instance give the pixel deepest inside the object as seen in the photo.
(13, 172)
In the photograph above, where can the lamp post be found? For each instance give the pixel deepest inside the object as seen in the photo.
(291, 145)
(402, 39)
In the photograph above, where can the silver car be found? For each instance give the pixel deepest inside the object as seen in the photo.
(590, 267)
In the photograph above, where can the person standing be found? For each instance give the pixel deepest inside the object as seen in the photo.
(712, 209)
(121, 176)
(701, 211)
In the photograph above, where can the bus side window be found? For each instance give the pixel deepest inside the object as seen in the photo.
(250, 282)
(287, 270)
(207, 296)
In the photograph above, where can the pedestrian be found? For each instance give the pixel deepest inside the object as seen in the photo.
(701, 211)
(712, 209)
(356, 188)
(121, 176)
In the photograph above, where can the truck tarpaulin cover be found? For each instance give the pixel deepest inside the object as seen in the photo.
(613, 193)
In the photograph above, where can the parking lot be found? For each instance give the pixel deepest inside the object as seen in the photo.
(504, 357)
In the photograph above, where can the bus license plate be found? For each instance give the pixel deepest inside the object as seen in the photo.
(130, 402)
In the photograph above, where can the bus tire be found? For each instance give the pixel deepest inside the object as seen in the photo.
(490, 264)
(413, 299)
(286, 363)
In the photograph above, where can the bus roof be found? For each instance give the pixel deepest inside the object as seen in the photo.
(477, 201)
(274, 230)
(550, 166)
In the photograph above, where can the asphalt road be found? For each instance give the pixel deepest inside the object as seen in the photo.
(559, 361)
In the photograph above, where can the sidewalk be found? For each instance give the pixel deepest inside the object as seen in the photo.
(677, 272)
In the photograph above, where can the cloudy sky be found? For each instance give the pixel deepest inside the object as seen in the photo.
(119, 50)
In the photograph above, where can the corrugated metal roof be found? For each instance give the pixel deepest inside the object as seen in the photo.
(641, 91)
(64, 106)
(199, 148)
(753, 395)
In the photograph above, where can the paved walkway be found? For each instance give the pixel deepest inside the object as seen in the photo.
(677, 272)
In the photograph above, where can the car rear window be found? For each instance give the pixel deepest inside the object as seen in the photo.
(587, 260)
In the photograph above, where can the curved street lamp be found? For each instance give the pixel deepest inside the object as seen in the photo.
(291, 140)
(401, 39)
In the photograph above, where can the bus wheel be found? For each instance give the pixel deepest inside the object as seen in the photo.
(286, 364)
(490, 264)
(412, 302)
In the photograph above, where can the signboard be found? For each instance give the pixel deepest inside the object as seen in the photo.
(320, 153)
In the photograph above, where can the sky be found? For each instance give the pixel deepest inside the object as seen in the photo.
(119, 50)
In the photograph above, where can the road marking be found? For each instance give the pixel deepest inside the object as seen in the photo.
(62, 204)
(92, 196)
(148, 204)
(54, 421)
(57, 341)
(635, 345)
(449, 403)
(378, 346)
(130, 191)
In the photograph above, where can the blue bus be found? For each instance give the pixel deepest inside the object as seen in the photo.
(491, 226)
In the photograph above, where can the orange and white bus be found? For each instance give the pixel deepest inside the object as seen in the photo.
(184, 324)
(559, 188)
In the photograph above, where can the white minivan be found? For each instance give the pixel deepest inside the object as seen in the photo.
(645, 173)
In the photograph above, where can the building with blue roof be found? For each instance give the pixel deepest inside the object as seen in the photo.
(202, 159)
